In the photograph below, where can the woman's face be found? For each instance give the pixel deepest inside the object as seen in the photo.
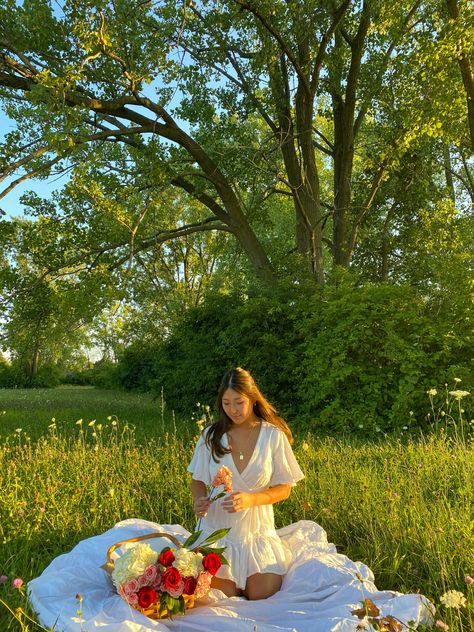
(236, 406)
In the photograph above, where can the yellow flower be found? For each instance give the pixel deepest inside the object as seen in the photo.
(432, 392)
(305, 446)
(459, 394)
(91, 423)
(79, 422)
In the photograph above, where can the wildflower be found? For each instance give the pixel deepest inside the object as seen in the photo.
(17, 583)
(114, 423)
(79, 422)
(453, 599)
(360, 426)
(208, 408)
(99, 427)
(441, 624)
(109, 418)
(91, 423)
(3, 579)
(305, 446)
(459, 394)
(456, 379)
(432, 392)
(469, 580)
(405, 428)
(18, 430)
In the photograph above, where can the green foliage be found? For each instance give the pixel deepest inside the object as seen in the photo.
(349, 358)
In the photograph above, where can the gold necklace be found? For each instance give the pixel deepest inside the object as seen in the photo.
(241, 454)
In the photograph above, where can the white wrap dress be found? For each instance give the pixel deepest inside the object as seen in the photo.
(252, 544)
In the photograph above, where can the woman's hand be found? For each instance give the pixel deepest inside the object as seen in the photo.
(238, 501)
(201, 506)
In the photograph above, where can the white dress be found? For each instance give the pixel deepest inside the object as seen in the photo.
(252, 544)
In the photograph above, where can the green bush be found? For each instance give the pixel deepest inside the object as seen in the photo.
(345, 358)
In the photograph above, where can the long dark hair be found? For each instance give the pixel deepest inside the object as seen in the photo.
(241, 381)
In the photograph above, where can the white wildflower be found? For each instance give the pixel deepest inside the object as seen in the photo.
(459, 394)
(453, 599)
(432, 392)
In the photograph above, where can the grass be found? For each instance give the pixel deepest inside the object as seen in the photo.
(401, 505)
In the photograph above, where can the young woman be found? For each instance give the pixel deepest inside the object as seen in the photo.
(254, 443)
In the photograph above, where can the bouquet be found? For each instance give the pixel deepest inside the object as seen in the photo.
(166, 583)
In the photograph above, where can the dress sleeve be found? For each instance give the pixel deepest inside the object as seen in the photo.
(199, 466)
(285, 466)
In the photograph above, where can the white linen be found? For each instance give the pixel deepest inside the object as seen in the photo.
(318, 593)
(252, 545)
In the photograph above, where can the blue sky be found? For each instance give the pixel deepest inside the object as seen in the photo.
(11, 202)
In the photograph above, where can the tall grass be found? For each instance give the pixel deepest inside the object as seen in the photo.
(402, 507)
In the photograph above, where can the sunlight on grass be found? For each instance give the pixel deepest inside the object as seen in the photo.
(403, 508)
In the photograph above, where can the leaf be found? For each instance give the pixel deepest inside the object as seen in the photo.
(369, 609)
(192, 539)
(217, 535)
(391, 624)
(220, 495)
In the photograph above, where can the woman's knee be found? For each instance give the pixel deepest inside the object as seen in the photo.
(262, 586)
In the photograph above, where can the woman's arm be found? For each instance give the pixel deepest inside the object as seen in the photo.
(239, 501)
(201, 501)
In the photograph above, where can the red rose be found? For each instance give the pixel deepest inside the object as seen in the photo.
(146, 596)
(166, 557)
(190, 584)
(212, 563)
(171, 579)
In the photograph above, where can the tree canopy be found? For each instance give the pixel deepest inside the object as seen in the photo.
(208, 140)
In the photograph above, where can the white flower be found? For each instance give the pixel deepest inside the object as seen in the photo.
(133, 563)
(453, 599)
(432, 392)
(188, 563)
(459, 394)
(456, 379)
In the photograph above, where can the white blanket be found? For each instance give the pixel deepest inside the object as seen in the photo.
(318, 592)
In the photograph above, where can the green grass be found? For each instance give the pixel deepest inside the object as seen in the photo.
(403, 508)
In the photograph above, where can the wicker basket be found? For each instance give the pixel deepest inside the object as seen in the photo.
(153, 611)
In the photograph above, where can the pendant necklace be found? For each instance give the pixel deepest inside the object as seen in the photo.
(241, 454)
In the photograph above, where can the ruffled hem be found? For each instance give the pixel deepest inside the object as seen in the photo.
(253, 554)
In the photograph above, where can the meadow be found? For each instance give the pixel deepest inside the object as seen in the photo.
(74, 461)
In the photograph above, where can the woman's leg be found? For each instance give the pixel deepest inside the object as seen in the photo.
(262, 585)
(227, 586)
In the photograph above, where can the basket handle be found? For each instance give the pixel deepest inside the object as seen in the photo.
(109, 565)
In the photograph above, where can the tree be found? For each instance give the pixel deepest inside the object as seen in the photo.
(228, 103)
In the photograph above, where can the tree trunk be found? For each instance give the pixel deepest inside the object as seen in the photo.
(465, 66)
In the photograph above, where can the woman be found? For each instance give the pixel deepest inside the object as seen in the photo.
(254, 443)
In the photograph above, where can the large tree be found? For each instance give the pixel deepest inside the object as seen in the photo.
(228, 103)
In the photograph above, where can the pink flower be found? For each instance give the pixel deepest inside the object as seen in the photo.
(17, 583)
(441, 624)
(131, 586)
(203, 585)
(151, 573)
(469, 580)
(223, 477)
(3, 579)
(132, 599)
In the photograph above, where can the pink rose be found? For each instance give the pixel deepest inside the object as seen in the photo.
(132, 599)
(131, 586)
(151, 573)
(178, 591)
